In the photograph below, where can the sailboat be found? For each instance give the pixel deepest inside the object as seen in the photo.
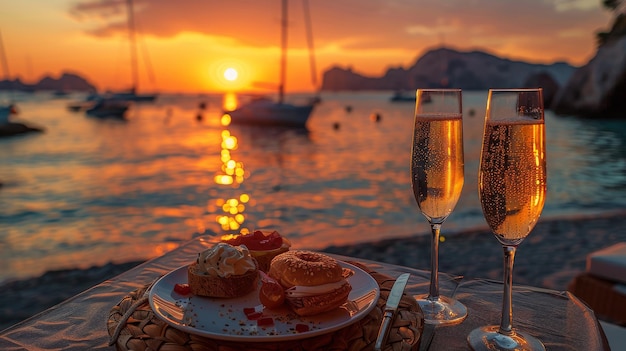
(401, 96)
(116, 104)
(6, 109)
(132, 94)
(264, 111)
(108, 108)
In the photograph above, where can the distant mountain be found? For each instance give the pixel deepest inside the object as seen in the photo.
(67, 82)
(444, 67)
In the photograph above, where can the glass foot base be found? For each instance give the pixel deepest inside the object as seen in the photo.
(442, 310)
(488, 339)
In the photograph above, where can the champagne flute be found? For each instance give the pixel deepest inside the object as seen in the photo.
(512, 190)
(437, 180)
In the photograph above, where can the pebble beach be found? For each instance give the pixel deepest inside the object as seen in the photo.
(550, 257)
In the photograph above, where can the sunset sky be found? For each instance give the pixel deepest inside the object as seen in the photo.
(187, 45)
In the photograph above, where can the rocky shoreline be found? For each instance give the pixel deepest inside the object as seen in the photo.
(550, 257)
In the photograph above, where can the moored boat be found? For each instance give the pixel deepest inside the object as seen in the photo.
(267, 112)
(264, 111)
(108, 108)
(400, 96)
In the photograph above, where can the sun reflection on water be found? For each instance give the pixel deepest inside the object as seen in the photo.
(232, 173)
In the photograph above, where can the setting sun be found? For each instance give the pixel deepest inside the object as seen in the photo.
(230, 74)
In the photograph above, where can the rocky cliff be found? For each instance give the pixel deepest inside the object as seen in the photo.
(444, 67)
(598, 89)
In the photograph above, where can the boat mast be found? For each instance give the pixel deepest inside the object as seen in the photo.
(5, 62)
(133, 46)
(283, 58)
(309, 37)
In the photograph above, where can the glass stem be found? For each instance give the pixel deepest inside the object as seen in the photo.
(434, 262)
(506, 325)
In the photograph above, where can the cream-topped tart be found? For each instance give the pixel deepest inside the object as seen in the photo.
(223, 270)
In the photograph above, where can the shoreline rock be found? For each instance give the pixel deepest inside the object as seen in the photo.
(596, 90)
(17, 128)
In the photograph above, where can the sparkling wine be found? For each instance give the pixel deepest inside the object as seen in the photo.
(437, 180)
(437, 164)
(512, 178)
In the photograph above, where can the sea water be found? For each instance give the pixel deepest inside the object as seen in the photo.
(90, 191)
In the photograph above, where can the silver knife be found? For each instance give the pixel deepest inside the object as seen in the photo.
(393, 300)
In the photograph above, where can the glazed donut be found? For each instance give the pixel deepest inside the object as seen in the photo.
(305, 268)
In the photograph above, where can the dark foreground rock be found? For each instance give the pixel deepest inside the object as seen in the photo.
(16, 128)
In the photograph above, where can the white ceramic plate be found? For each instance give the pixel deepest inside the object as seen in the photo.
(225, 319)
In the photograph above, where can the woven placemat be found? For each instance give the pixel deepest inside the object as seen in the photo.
(132, 325)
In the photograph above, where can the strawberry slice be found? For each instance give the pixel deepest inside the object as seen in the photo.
(257, 240)
(271, 294)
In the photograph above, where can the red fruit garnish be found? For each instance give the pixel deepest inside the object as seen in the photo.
(265, 321)
(182, 289)
(254, 316)
(257, 240)
(301, 328)
(253, 313)
(257, 234)
(272, 294)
